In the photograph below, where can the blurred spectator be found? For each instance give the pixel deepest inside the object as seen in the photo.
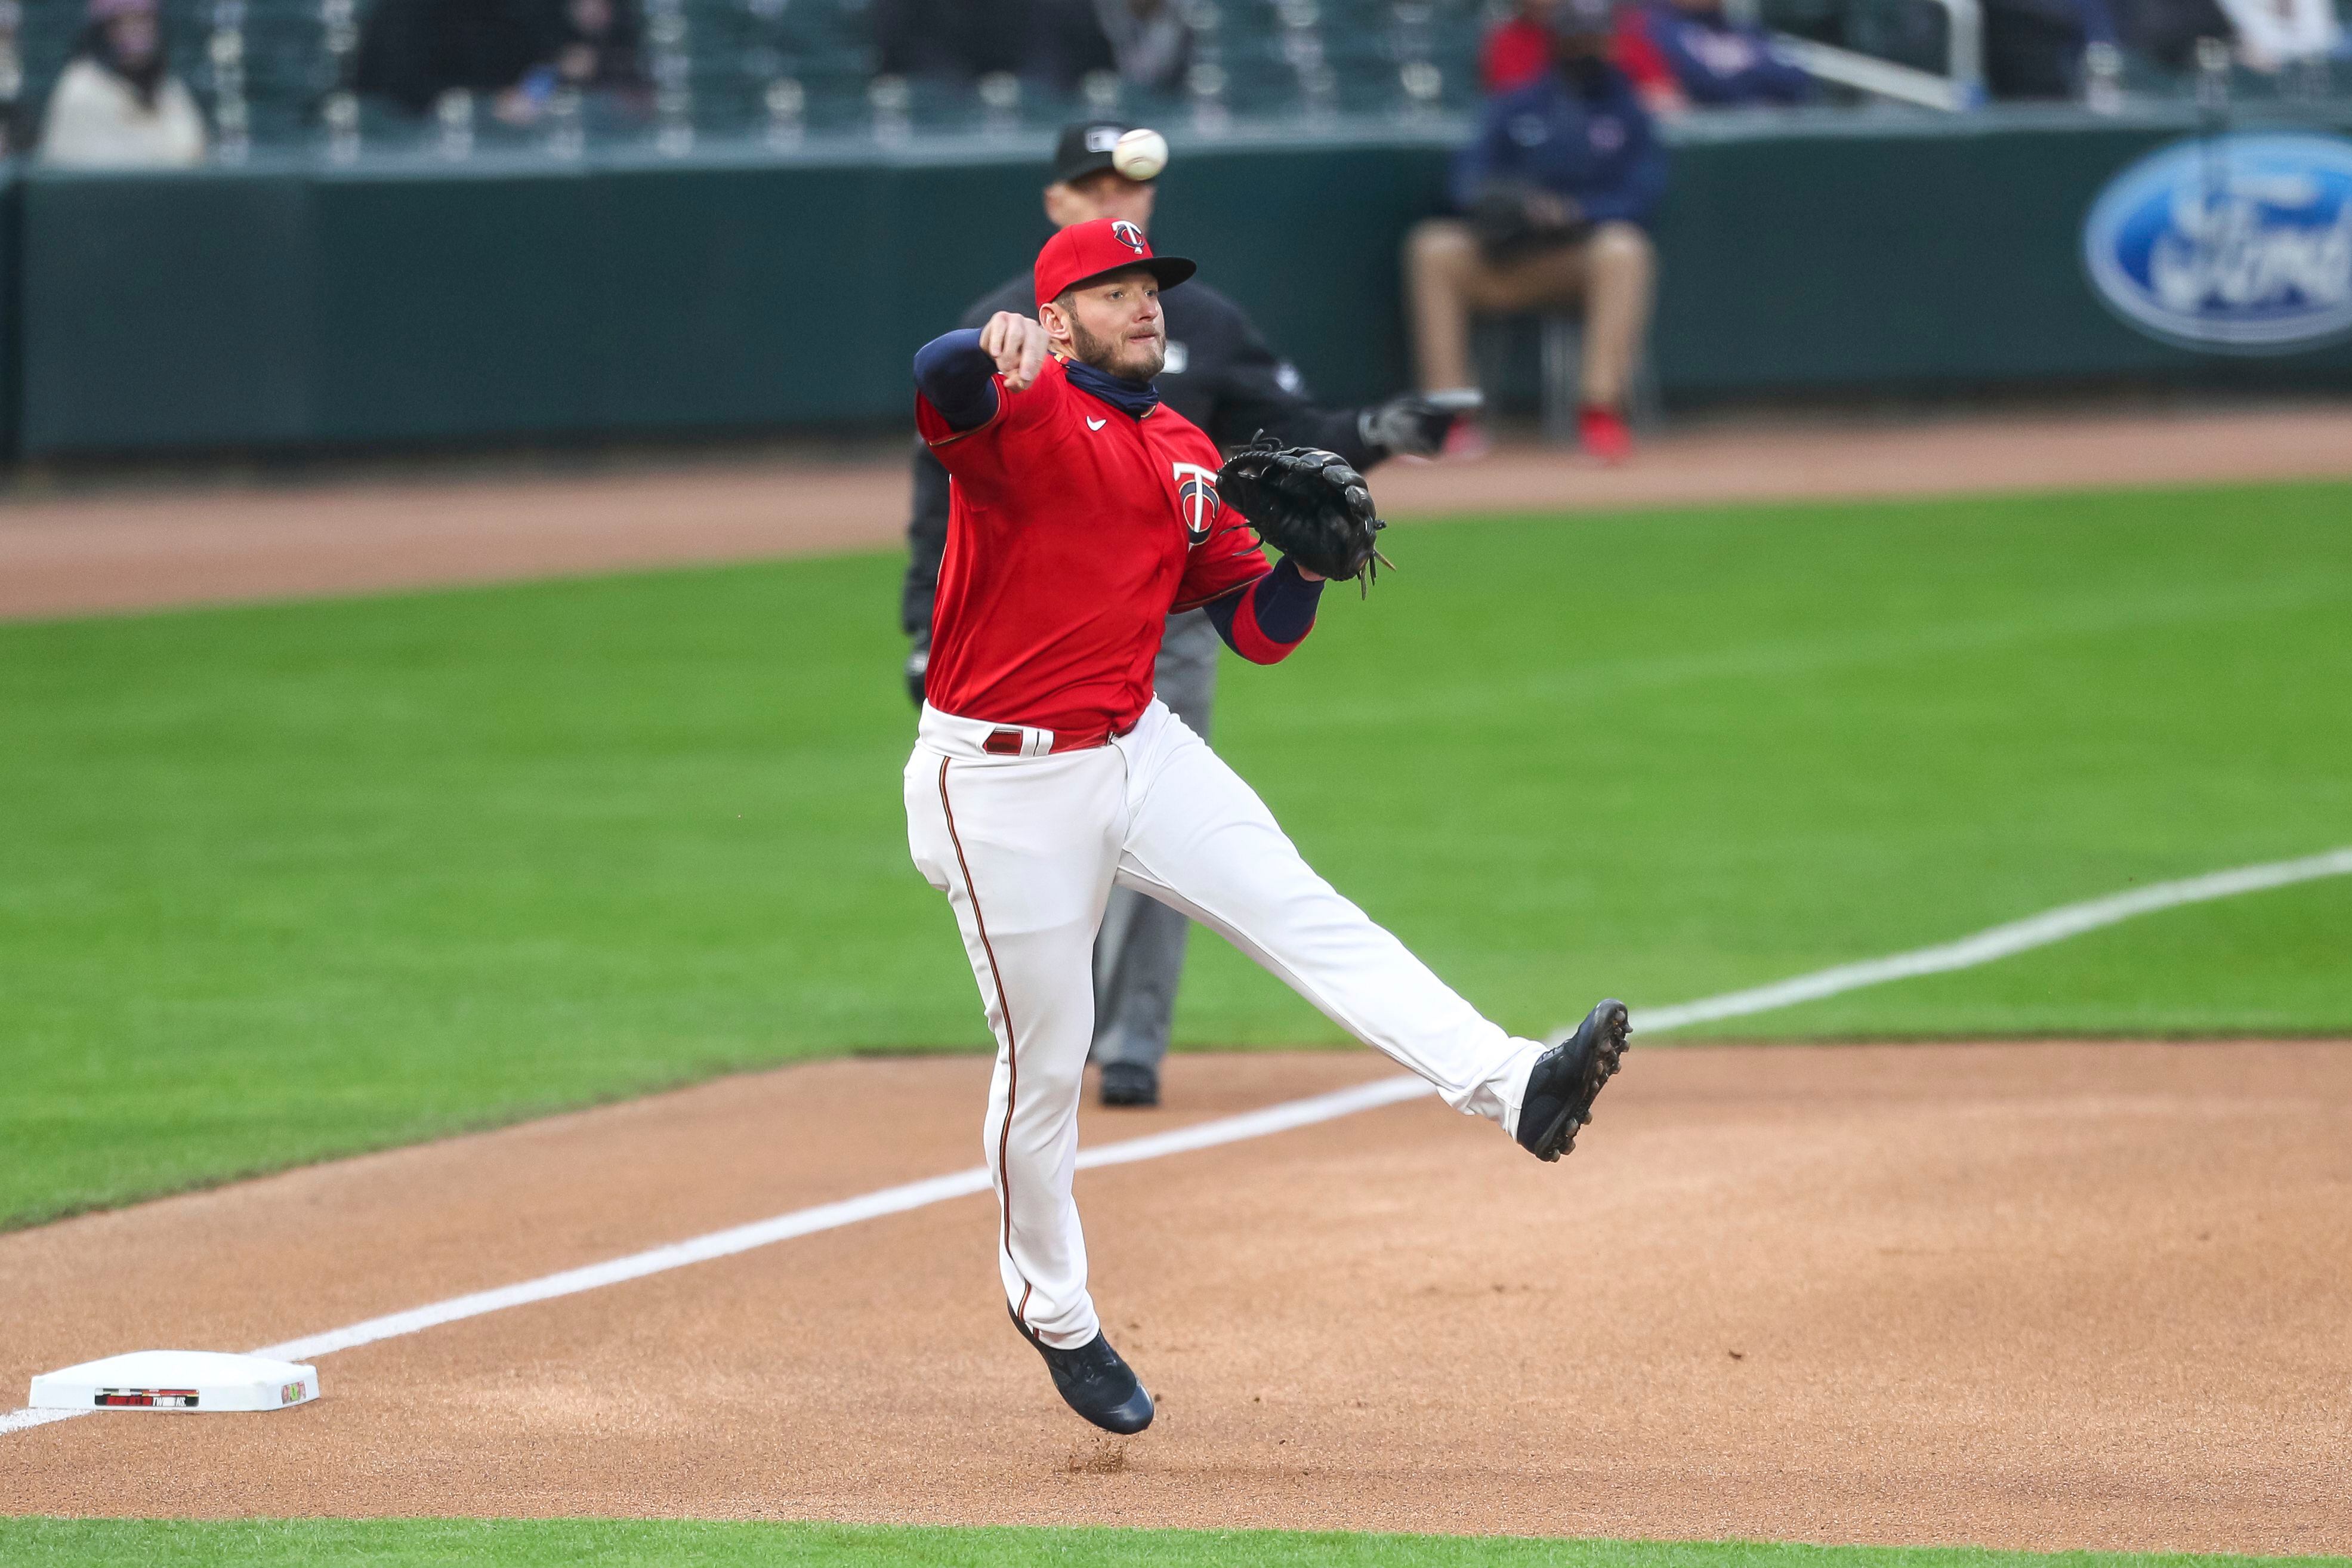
(956, 40)
(117, 105)
(1559, 185)
(2033, 49)
(2274, 34)
(519, 52)
(1055, 44)
(1148, 41)
(1518, 49)
(11, 82)
(594, 46)
(413, 51)
(2166, 31)
(1681, 52)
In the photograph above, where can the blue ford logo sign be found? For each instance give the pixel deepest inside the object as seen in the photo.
(2233, 243)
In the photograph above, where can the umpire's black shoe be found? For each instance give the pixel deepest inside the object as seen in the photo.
(1565, 1079)
(1129, 1083)
(1096, 1382)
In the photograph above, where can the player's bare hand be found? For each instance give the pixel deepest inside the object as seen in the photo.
(1017, 345)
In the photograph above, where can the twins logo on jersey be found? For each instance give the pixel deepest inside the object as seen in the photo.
(1128, 235)
(1196, 497)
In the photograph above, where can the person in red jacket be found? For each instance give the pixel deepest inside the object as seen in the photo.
(1518, 49)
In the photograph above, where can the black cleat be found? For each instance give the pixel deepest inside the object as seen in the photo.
(1129, 1083)
(1094, 1382)
(1568, 1078)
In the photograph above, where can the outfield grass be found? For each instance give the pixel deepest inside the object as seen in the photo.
(400, 1544)
(283, 882)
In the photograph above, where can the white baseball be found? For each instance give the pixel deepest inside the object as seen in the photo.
(1140, 154)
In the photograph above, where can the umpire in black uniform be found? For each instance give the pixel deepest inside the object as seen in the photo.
(1221, 376)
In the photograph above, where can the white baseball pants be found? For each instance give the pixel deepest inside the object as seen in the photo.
(1027, 848)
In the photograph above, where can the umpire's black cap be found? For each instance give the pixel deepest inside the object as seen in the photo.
(1084, 147)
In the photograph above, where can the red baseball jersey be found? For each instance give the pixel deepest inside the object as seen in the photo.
(1073, 530)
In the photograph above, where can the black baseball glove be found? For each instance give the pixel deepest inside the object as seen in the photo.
(1308, 504)
(1510, 220)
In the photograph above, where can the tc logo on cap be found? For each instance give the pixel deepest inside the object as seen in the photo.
(1128, 235)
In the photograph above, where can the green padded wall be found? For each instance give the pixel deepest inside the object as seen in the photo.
(165, 311)
(1819, 259)
(11, 296)
(516, 299)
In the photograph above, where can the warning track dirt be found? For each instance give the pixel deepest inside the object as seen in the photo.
(126, 549)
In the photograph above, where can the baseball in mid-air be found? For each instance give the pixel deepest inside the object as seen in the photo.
(1140, 154)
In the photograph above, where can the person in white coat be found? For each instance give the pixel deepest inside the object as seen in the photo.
(117, 105)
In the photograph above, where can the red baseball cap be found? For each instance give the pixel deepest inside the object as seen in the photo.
(1085, 251)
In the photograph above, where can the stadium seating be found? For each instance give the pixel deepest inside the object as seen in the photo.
(274, 73)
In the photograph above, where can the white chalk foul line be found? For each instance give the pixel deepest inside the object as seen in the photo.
(2001, 941)
(804, 1222)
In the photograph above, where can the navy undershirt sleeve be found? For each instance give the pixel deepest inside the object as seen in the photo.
(959, 378)
(1282, 603)
(1221, 614)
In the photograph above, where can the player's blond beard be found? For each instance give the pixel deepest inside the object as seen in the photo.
(1101, 353)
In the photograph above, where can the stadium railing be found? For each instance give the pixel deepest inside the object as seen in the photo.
(1958, 87)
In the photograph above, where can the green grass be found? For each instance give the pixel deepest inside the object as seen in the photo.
(283, 882)
(399, 1543)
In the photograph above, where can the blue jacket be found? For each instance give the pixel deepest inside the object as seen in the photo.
(1717, 61)
(1595, 146)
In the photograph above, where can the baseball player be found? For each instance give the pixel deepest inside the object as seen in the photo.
(1083, 510)
(1220, 374)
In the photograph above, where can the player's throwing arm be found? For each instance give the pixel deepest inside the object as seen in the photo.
(1044, 772)
(1017, 345)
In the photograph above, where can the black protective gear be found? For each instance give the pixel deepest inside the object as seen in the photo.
(918, 664)
(1416, 424)
(1502, 217)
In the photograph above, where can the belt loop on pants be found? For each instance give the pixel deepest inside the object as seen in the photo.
(959, 737)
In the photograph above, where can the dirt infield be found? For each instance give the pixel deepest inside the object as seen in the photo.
(2032, 1295)
(126, 551)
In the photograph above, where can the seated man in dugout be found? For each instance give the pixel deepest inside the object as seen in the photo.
(1556, 191)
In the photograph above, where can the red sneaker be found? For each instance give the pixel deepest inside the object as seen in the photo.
(1604, 433)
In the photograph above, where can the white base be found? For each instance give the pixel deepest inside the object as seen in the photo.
(177, 1380)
